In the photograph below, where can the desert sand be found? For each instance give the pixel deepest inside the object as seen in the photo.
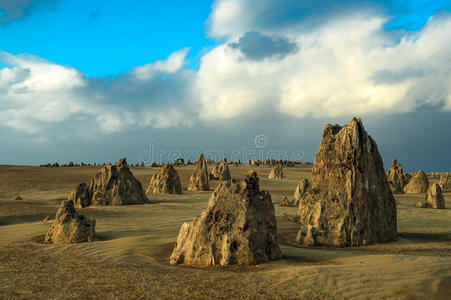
(130, 258)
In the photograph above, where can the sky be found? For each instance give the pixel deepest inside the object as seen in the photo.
(95, 80)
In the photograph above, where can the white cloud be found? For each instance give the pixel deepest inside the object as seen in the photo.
(171, 65)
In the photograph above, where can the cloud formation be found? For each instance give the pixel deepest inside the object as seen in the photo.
(348, 64)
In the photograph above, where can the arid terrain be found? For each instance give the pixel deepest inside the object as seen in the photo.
(130, 258)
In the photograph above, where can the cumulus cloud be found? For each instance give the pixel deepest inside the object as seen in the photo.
(36, 93)
(348, 65)
(11, 10)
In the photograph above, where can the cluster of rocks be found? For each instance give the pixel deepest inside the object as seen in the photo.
(276, 172)
(220, 171)
(82, 164)
(349, 201)
(112, 185)
(238, 227)
(299, 192)
(434, 198)
(275, 162)
(396, 178)
(445, 181)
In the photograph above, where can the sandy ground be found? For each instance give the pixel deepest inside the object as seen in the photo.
(130, 259)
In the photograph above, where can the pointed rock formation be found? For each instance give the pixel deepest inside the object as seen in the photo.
(445, 181)
(116, 185)
(418, 184)
(70, 227)
(165, 182)
(238, 227)
(286, 202)
(396, 178)
(299, 192)
(80, 196)
(434, 198)
(18, 197)
(349, 201)
(276, 172)
(199, 180)
(220, 172)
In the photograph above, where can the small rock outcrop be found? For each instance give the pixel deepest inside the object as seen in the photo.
(199, 180)
(80, 196)
(434, 198)
(116, 185)
(18, 198)
(419, 183)
(220, 172)
(238, 227)
(396, 178)
(276, 172)
(445, 181)
(70, 227)
(299, 192)
(349, 201)
(286, 202)
(165, 182)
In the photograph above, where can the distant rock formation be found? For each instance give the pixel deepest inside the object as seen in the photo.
(299, 192)
(116, 185)
(434, 198)
(112, 185)
(396, 178)
(70, 227)
(80, 196)
(349, 201)
(276, 172)
(220, 172)
(17, 198)
(419, 183)
(199, 179)
(445, 181)
(238, 227)
(286, 202)
(165, 182)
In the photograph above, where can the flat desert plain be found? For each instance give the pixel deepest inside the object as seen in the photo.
(130, 258)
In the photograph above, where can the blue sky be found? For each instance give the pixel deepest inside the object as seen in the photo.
(196, 74)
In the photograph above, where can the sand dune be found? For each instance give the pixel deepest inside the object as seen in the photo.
(130, 259)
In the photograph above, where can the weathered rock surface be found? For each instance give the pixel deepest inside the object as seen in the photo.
(220, 172)
(276, 172)
(419, 183)
(70, 227)
(396, 178)
(299, 192)
(80, 196)
(445, 181)
(116, 185)
(349, 201)
(434, 198)
(165, 182)
(238, 227)
(199, 180)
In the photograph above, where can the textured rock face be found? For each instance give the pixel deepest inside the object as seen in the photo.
(238, 227)
(299, 192)
(69, 227)
(80, 196)
(199, 179)
(220, 172)
(116, 185)
(418, 184)
(349, 201)
(434, 198)
(276, 172)
(165, 182)
(445, 181)
(396, 178)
